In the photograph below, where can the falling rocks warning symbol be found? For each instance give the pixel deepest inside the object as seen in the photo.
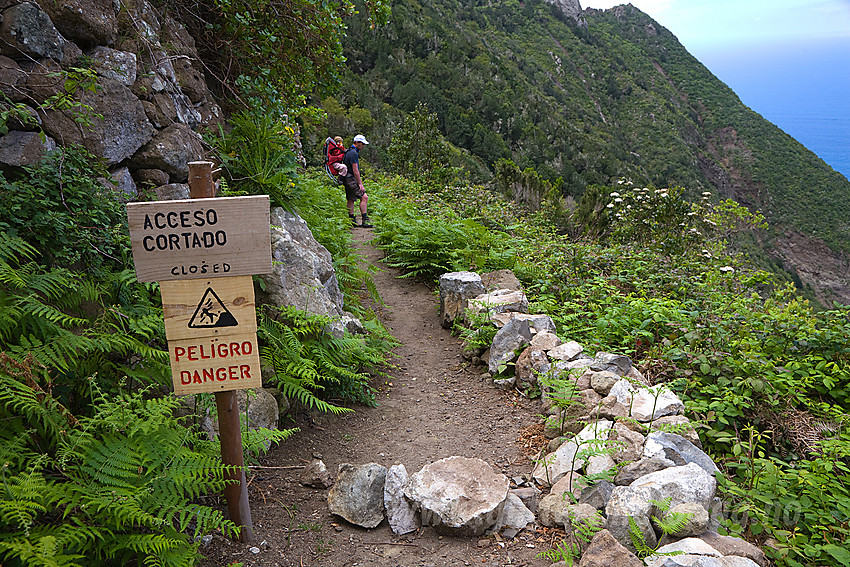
(211, 313)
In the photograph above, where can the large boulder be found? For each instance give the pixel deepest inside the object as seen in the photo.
(605, 551)
(647, 403)
(303, 274)
(514, 515)
(733, 546)
(117, 65)
(518, 332)
(677, 449)
(529, 365)
(458, 495)
(688, 483)
(26, 31)
(24, 148)
(500, 279)
(117, 125)
(608, 362)
(12, 79)
(567, 351)
(358, 495)
(85, 22)
(634, 470)
(498, 301)
(170, 150)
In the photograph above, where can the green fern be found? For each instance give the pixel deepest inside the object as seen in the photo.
(670, 522)
(78, 325)
(309, 362)
(642, 549)
(674, 523)
(116, 487)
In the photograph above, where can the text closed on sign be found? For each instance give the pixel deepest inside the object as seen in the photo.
(200, 238)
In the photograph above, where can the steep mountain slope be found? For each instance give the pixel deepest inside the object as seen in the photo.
(611, 95)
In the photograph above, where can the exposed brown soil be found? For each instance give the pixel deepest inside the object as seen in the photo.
(434, 405)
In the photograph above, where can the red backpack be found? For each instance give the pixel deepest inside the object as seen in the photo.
(334, 167)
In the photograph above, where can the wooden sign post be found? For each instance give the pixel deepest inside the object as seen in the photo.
(203, 251)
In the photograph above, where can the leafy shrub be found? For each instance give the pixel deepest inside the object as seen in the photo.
(658, 217)
(277, 53)
(62, 209)
(258, 156)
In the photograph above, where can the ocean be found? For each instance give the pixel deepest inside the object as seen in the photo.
(804, 89)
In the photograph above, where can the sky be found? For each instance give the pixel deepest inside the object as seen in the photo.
(702, 25)
(789, 60)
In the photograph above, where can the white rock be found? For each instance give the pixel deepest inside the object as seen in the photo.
(400, 514)
(688, 483)
(567, 351)
(690, 546)
(459, 495)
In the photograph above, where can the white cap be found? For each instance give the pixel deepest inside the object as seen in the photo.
(360, 138)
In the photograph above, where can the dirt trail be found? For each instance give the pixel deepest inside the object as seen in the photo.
(433, 406)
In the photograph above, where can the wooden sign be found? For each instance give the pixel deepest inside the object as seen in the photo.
(214, 307)
(215, 364)
(200, 238)
(211, 327)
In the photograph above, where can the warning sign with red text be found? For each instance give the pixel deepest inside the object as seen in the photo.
(215, 364)
(211, 327)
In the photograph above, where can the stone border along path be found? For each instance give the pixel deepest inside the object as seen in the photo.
(456, 433)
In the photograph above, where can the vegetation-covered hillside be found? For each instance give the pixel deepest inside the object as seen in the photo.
(619, 97)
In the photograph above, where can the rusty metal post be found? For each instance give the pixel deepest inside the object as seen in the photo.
(230, 432)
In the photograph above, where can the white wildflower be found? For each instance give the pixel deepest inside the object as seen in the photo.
(727, 269)
(610, 205)
(706, 193)
(614, 194)
(618, 200)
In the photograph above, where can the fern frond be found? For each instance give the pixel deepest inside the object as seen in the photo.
(296, 391)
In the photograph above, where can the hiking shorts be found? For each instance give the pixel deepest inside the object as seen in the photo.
(353, 191)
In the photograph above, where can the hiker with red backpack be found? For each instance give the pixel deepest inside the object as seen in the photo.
(354, 190)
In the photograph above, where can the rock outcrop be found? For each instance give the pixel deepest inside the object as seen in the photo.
(143, 107)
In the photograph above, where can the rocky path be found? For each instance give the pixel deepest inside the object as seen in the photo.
(433, 406)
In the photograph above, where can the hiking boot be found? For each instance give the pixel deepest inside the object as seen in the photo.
(365, 223)
(353, 220)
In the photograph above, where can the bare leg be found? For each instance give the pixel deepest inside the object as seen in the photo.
(363, 204)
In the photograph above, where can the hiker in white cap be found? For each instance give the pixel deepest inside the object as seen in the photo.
(354, 190)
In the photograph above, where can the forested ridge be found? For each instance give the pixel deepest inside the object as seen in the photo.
(619, 97)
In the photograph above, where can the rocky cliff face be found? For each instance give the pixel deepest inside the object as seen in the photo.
(570, 8)
(150, 100)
